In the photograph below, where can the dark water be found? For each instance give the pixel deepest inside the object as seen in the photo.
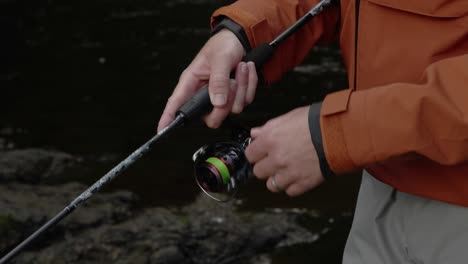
(91, 78)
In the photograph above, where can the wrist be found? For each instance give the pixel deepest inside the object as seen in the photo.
(225, 41)
(225, 23)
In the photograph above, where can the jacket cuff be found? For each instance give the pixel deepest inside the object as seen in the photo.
(335, 144)
(238, 30)
(316, 135)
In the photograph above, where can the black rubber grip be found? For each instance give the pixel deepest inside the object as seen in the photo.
(260, 55)
(200, 103)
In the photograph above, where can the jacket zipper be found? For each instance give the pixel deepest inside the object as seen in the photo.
(357, 5)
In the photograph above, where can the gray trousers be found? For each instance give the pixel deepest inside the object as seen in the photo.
(391, 227)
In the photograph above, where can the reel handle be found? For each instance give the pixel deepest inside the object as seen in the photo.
(200, 103)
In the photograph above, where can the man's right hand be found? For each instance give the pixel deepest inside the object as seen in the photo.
(221, 54)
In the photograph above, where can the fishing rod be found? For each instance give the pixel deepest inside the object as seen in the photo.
(197, 106)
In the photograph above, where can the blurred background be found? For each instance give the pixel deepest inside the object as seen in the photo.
(83, 84)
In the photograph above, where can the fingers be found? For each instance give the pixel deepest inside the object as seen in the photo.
(188, 84)
(274, 184)
(263, 169)
(256, 150)
(255, 132)
(298, 187)
(242, 78)
(245, 82)
(252, 83)
(219, 82)
(279, 183)
(212, 64)
(295, 190)
(225, 95)
(218, 114)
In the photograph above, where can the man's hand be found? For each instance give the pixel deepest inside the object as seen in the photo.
(221, 54)
(283, 154)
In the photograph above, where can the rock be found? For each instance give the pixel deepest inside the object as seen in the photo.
(109, 228)
(170, 254)
(231, 235)
(34, 165)
(204, 232)
(260, 259)
(26, 207)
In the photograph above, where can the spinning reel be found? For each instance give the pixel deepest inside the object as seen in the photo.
(221, 168)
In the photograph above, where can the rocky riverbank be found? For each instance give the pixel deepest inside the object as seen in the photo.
(111, 228)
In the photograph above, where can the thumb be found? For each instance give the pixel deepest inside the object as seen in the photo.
(218, 85)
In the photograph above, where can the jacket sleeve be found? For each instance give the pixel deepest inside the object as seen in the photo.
(429, 119)
(263, 20)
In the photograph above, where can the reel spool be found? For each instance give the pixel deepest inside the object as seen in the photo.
(221, 168)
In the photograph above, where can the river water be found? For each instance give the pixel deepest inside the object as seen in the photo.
(92, 77)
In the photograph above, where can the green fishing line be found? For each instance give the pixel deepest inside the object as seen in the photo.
(221, 167)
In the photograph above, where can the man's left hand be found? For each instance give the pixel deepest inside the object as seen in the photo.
(282, 153)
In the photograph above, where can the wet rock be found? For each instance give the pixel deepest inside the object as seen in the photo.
(109, 228)
(171, 254)
(204, 232)
(260, 259)
(24, 208)
(231, 235)
(34, 165)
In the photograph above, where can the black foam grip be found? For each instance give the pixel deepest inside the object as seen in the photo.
(260, 55)
(200, 103)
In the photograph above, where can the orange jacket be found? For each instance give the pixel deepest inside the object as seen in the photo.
(405, 115)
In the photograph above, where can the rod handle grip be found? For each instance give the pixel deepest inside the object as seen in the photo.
(197, 106)
(260, 55)
(200, 103)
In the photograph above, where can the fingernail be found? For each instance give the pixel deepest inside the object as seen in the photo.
(219, 99)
